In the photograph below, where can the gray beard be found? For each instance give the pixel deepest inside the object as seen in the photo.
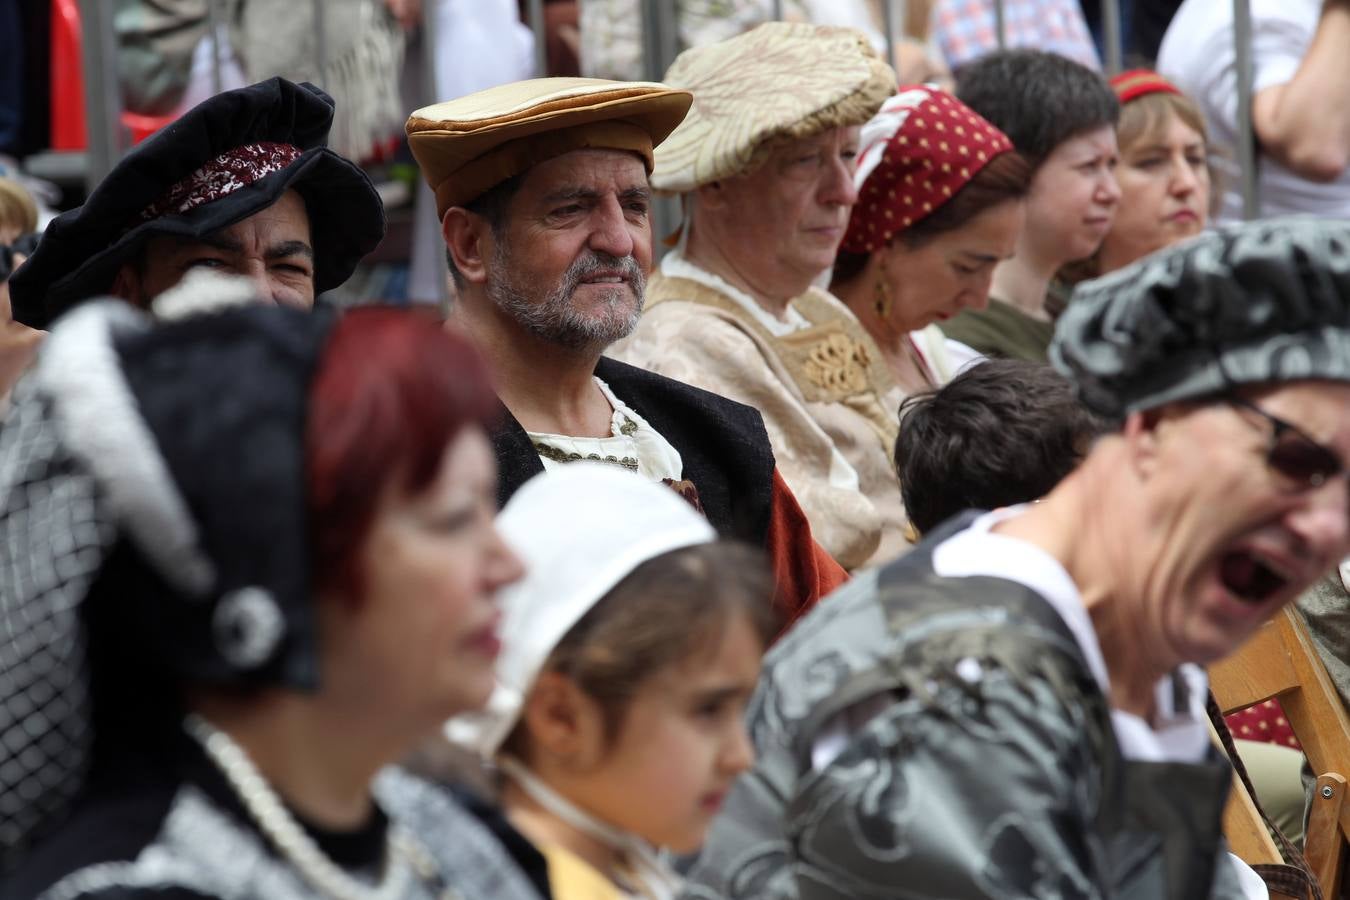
(553, 316)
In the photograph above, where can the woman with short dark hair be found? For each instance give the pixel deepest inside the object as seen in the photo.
(1062, 117)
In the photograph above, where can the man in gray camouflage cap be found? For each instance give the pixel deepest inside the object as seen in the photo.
(1017, 707)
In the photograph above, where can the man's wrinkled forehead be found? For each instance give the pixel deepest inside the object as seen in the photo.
(588, 173)
(277, 231)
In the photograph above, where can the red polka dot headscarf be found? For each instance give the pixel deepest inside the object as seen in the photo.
(923, 147)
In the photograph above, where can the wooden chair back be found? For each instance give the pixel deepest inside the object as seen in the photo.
(1280, 661)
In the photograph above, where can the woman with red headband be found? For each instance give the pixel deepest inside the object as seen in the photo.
(1163, 173)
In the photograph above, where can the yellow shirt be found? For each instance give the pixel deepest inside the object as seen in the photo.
(572, 878)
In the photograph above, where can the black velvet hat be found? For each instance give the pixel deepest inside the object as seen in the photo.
(153, 529)
(1257, 303)
(224, 160)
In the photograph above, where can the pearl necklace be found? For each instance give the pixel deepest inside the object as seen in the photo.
(404, 856)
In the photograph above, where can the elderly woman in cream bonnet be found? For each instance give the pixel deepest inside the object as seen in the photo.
(764, 166)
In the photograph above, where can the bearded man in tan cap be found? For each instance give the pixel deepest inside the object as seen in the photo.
(542, 191)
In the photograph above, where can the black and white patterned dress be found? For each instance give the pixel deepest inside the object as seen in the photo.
(169, 826)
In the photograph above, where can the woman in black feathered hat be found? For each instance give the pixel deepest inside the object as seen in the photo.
(247, 561)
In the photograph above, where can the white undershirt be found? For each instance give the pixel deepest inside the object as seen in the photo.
(1181, 735)
(674, 265)
(656, 458)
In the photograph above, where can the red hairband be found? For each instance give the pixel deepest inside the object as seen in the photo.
(1138, 82)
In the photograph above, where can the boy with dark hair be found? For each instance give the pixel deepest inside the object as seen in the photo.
(1000, 433)
(1061, 116)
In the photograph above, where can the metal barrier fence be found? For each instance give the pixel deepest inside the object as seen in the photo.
(1246, 131)
(107, 140)
(102, 97)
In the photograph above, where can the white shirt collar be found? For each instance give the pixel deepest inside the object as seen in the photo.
(657, 459)
(1181, 735)
(674, 265)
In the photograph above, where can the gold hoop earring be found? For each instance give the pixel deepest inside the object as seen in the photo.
(882, 301)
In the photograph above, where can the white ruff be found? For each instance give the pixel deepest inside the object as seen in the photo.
(201, 292)
(404, 857)
(101, 423)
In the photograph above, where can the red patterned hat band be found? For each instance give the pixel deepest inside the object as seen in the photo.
(915, 154)
(222, 176)
(1137, 82)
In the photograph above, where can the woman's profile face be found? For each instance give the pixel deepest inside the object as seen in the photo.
(1164, 192)
(952, 271)
(790, 214)
(1073, 198)
(419, 641)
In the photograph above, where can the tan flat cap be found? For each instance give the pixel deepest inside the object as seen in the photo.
(469, 145)
(781, 79)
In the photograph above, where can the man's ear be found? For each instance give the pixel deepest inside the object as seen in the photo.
(710, 195)
(127, 285)
(467, 236)
(1143, 433)
(563, 722)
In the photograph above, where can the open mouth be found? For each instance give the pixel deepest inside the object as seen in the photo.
(1249, 577)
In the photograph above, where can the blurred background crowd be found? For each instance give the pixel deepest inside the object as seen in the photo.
(604, 448)
(152, 60)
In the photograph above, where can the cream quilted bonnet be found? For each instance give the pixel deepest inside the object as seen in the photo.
(781, 79)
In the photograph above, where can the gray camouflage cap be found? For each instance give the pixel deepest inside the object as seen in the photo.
(1255, 303)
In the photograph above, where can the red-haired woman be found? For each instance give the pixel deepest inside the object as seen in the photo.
(257, 547)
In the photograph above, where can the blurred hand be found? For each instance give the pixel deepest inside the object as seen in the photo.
(916, 66)
(570, 35)
(18, 343)
(408, 12)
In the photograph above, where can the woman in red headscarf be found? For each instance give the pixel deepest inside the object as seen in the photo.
(939, 205)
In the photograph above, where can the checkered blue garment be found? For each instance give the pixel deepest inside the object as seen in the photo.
(966, 29)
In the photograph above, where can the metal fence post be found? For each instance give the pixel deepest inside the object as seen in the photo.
(659, 47)
(320, 41)
(213, 26)
(1246, 134)
(535, 9)
(777, 10)
(102, 92)
(1000, 25)
(1112, 39)
(893, 20)
(428, 256)
(659, 36)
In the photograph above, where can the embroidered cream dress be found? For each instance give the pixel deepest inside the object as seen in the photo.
(828, 401)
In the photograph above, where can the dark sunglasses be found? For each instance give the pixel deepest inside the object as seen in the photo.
(1293, 454)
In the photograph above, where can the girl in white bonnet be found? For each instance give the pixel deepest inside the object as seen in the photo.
(629, 653)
